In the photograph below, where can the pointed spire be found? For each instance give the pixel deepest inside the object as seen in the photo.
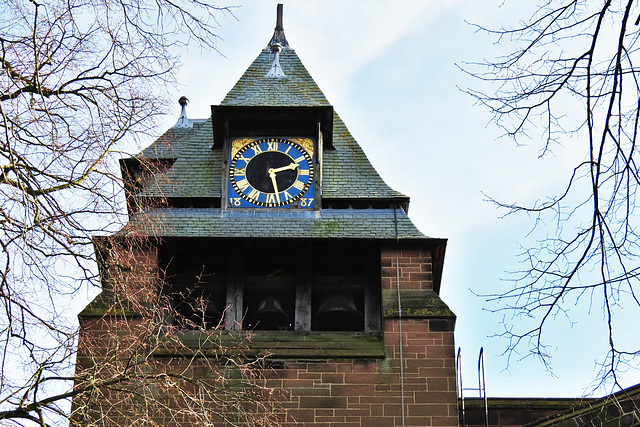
(278, 33)
(183, 120)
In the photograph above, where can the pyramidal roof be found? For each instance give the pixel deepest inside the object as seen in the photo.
(295, 89)
(197, 170)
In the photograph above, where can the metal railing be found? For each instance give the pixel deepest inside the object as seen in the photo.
(482, 389)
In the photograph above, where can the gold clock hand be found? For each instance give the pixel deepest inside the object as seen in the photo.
(272, 174)
(284, 168)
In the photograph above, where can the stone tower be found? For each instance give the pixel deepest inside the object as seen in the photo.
(271, 217)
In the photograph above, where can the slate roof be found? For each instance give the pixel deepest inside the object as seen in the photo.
(297, 89)
(229, 223)
(197, 171)
(347, 173)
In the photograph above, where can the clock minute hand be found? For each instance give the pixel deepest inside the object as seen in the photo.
(284, 168)
(272, 174)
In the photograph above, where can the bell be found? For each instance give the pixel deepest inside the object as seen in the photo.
(270, 315)
(338, 312)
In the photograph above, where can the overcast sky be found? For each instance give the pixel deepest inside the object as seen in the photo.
(388, 68)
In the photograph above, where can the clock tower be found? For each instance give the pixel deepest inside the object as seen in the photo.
(269, 215)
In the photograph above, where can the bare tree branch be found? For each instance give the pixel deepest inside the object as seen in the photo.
(573, 56)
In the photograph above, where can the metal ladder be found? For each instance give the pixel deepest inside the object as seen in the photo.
(482, 391)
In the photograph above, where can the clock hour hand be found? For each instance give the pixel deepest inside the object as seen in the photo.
(272, 174)
(284, 168)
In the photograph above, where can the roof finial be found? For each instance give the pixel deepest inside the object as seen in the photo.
(279, 9)
(275, 70)
(278, 34)
(183, 120)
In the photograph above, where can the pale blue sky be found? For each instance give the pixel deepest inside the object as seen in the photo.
(388, 68)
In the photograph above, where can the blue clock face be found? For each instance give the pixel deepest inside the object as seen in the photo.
(271, 173)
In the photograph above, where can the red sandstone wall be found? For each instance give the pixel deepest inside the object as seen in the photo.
(367, 392)
(415, 268)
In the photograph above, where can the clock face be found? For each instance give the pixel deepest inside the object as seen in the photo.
(271, 172)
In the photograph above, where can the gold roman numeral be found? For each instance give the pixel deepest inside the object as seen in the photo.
(271, 197)
(303, 172)
(254, 194)
(299, 185)
(257, 149)
(244, 171)
(272, 145)
(243, 184)
(299, 159)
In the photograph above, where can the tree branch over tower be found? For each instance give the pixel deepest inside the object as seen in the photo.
(82, 83)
